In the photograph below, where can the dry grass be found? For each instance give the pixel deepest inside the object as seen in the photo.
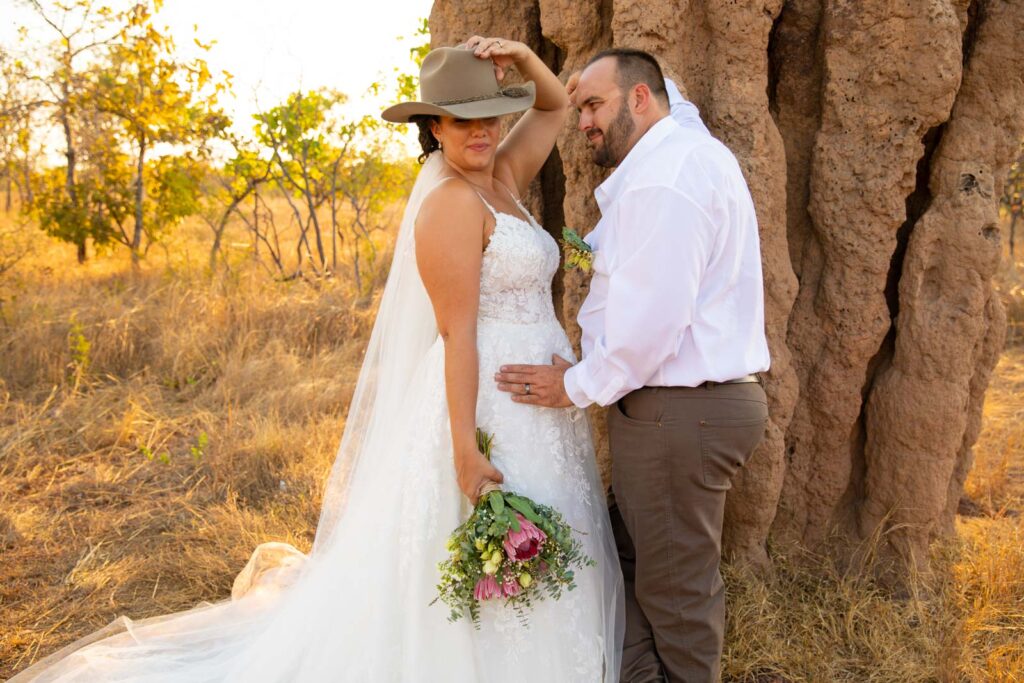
(813, 622)
(112, 501)
(1009, 282)
(153, 429)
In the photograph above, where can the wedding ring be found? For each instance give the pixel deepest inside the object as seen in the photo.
(527, 388)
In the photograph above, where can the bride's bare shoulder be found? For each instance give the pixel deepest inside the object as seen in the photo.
(452, 206)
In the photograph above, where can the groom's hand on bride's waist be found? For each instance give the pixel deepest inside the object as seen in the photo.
(539, 385)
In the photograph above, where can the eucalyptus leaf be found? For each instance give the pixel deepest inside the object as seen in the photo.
(524, 507)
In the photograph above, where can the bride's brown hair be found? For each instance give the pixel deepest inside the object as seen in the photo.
(428, 142)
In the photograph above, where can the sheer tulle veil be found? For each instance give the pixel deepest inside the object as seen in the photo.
(402, 334)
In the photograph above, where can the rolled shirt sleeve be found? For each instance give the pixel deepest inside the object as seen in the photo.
(684, 112)
(663, 245)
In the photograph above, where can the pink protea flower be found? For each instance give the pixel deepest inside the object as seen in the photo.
(523, 544)
(510, 586)
(487, 588)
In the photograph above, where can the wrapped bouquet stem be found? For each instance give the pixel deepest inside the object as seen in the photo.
(510, 549)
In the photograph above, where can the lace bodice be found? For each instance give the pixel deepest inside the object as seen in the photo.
(518, 267)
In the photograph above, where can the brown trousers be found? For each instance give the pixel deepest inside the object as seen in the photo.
(674, 451)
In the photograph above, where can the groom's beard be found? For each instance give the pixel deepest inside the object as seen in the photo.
(613, 148)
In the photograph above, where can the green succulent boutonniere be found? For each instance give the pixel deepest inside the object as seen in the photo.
(578, 253)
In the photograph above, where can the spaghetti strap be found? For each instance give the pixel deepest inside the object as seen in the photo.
(490, 208)
(527, 216)
(510, 192)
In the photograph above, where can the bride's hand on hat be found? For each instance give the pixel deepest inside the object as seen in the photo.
(503, 52)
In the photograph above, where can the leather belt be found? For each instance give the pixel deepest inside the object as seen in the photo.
(755, 378)
(746, 379)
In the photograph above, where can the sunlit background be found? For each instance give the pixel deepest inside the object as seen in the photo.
(273, 48)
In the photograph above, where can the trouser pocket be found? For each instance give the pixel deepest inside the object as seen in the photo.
(727, 443)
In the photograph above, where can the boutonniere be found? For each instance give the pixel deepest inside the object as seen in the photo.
(578, 253)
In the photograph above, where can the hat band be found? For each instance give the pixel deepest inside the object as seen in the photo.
(505, 92)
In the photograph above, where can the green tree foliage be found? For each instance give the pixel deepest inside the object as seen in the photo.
(225, 190)
(144, 144)
(298, 132)
(81, 29)
(157, 99)
(408, 83)
(337, 175)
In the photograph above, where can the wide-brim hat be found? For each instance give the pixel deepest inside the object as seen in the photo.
(454, 82)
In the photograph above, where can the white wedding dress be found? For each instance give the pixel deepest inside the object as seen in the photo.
(358, 608)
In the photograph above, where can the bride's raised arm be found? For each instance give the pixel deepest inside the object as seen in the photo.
(528, 144)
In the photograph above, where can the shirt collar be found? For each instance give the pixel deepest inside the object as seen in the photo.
(614, 185)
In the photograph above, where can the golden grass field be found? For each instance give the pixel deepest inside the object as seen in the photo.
(155, 427)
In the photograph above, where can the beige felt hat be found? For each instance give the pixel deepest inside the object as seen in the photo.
(454, 82)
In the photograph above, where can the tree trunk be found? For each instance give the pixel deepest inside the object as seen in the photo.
(1013, 229)
(356, 271)
(28, 198)
(71, 156)
(218, 231)
(314, 220)
(140, 194)
(875, 150)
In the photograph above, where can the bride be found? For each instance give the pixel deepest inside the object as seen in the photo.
(469, 289)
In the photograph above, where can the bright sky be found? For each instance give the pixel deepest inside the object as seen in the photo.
(274, 47)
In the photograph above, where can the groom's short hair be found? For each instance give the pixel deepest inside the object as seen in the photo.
(636, 66)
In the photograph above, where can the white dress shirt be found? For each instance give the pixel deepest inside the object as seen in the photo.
(676, 297)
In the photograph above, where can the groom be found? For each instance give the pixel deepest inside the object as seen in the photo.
(673, 334)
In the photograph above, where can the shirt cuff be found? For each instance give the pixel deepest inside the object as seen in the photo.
(573, 389)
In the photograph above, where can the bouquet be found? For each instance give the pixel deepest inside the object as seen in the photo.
(510, 549)
(578, 253)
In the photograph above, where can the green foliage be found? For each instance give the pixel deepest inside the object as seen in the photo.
(198, 449)
(80, 348)
(578, 254)
(102, 205)
(422, 36)
(136, 124)
(321, 159)
(133, 95)
(408, 83)
(163, 457)
(298, 128)
(176, 184)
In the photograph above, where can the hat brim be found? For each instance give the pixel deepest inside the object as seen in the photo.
(480, 109)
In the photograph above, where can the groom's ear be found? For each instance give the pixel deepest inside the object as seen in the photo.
(641, 98)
